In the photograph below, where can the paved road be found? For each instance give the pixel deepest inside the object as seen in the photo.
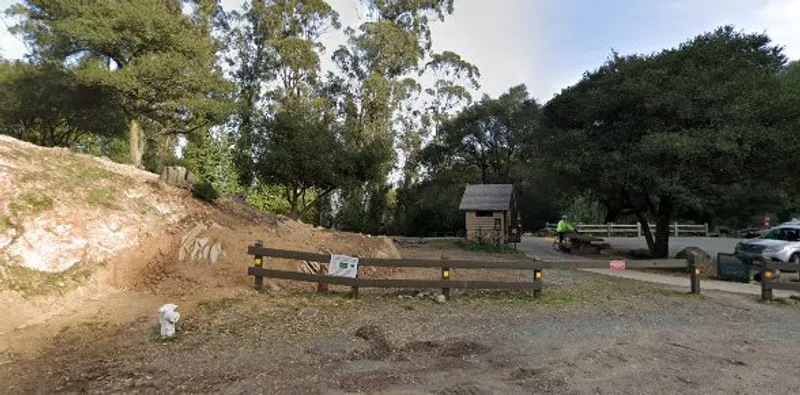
(712, 245)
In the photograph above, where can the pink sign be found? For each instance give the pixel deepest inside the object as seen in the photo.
(617, 265)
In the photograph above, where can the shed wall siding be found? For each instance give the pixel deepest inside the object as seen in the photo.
(485, 224)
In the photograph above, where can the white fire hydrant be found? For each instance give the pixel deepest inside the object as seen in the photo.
(168, 319)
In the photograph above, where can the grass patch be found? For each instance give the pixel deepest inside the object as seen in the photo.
(443, 243)
(6, 223)
(487, 248)
(85, 172)
(31, 204)
(155, 335)
(31, 283)
(217, 305)
(553, 297)
(682, 295)
(102, 197)
(784, 302)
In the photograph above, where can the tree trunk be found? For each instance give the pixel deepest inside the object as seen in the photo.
(648, 236)
(661, 248)
(134, 141)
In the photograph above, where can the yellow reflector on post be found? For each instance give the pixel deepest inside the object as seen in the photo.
(258, 261)
(538, 275)
(697, 271)
(768, 275)
(446, 274)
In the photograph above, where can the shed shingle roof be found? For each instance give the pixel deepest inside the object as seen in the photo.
(495, 197)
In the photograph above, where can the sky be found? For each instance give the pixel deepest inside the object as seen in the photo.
(549, 44)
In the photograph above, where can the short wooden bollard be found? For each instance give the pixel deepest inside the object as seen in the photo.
(446, 280)
(258, 261)
(694, 278)
(766, 286)
(537, 280)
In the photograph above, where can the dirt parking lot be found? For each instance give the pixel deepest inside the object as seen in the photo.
(588, 334)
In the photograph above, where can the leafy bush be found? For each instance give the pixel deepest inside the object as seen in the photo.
(205, 190)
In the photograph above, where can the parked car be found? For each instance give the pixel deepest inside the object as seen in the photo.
(780, 244)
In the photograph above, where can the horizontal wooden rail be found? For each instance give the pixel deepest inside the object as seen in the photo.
(522, 264)
(527, 264)
(393, 283)
(791, 267)
(785, 286)
(649, 264)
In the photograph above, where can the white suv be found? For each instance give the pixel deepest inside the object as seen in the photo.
(780, 244)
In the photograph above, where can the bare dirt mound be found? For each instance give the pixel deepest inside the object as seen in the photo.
(75, 229)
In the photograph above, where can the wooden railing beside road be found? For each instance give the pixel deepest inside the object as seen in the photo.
(444, 266)
(610, 230)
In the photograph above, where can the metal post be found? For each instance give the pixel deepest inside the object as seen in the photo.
(258, 261)
(706, 229)
(638, 229)
(676, 229)
(608, 226)
(537, 280)
(766, 285)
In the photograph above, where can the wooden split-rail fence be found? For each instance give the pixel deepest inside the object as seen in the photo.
(259, 271)
(612, 229)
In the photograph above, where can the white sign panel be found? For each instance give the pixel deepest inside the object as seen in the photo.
(343, 266)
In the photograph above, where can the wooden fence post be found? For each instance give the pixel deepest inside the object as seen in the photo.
(694, 276)
(446, 280)
(354, 289)
(537, 279)
(766, 286)
(258, 261)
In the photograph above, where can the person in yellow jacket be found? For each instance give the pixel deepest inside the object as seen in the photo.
(563, 228)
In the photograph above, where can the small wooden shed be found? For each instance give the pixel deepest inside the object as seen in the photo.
(491, 213)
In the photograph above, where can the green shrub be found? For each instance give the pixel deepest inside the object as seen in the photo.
(205, 190)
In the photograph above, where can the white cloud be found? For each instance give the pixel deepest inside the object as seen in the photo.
(11, 47)
(781, 19)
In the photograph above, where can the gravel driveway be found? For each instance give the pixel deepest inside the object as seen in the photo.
(589, 334)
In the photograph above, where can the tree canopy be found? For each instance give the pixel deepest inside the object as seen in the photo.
(386, 139)
(679, 128)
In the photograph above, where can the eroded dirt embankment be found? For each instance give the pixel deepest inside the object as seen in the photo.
(83, 237)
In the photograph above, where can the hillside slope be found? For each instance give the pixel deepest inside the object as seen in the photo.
(75, 230)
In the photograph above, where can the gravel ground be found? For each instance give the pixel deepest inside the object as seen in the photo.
(588, 334)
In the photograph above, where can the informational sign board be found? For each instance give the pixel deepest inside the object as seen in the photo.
(617, 265)
(343, 266)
